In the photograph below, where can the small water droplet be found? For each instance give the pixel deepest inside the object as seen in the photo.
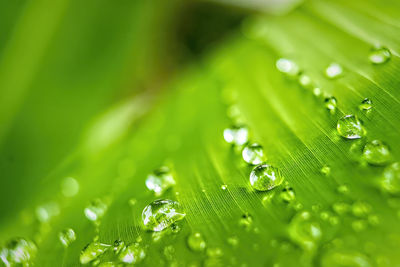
(334, 220)
(376, 153)
(267, 198)
(233, 241)
(67, 236)
(246, 221)
(287, 194)
(288, 67)
(330, 104)
(92, 251)
(224, 187)
(18, 252)
(265, 177)
(359, 225)
(160, 180)
(132, 254)
(317, 91)
(343, 189)
(341, 207)
(306, 82)
(373, 219)
(253, 154)
(390, 180)
(69, 187)
(305, 231)
(161, 213)
(118, 246)
(326, 170)
(107, 264)
(196, 242)
(175, 228)
(46, 211)
(361, 209)
(334, 70)
(343, 258)
(237, 135)
(366, 104)
(169, 252)
(379, 55)
(95, 210)
(132, 202)
(350, 127)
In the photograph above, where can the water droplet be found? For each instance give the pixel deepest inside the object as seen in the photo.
(330, 104)
(46, 211)
(390, 180)
(379, 55)
(288, 67)
(132, 254)
(366, 104)
(224, 187)
(118, 246)
(246, 221)
(373, 219)
(265, 177)
(132, 202)
(161, 213)
(92, 251)
(334, 70)
(361, 209)
(287, 194)
(341, 208)
(233, 241)
(267, 198)
(160, 180)
(376, 153)
(305, 231)
(359, 225)
(343, 189)
(196, 242)
(95, 210)
(324, 215)
(169, 252)
(326, 170)
(344, 258)
(306, 82)
(67, 236)
(237, 135)
(108, 264)
(253, 154)
(69, 187)
(18, 252)
(175, 228)
(317, 91)
(350, 127)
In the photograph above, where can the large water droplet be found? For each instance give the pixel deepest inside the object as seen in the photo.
(160, 180)
(18, 252)
(92, 251)
(379, 55)
(95, 210)
(305, 231)
(253, 154)
(376, 153)
(237, 135)
(390, 180)
(350, 127)
(366, 104)
(288, 67)
(265, 177)
(333, 71)
(67, 236)
(196, 242)
(132, 254)
(160, 214)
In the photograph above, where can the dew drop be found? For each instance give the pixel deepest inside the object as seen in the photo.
(233, 241)
(334, 70)
(246, 221)
(169, 252)
(350, 127)
(67, 236)
(69, 187)
(253, 154)
(361, 209)
(343, 189)
(344, 258)
(330, 104)
(265, 177)
(161, 213)
(132, 254)
(287, 194)
(118, 246)
(366, 104)
(376, 153)
(390, 180)
(341, 207)
(317, 91)
(305, 231)
(237, 135)
(196, 242)
(92, 251)
(108, 264)
(326, 170)
(288, 67)
(18, 252)
(132, 202)
(379, 55)
(95, 210)
(224, 187)
(359, 225)
(306, 82)
(160, 180)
